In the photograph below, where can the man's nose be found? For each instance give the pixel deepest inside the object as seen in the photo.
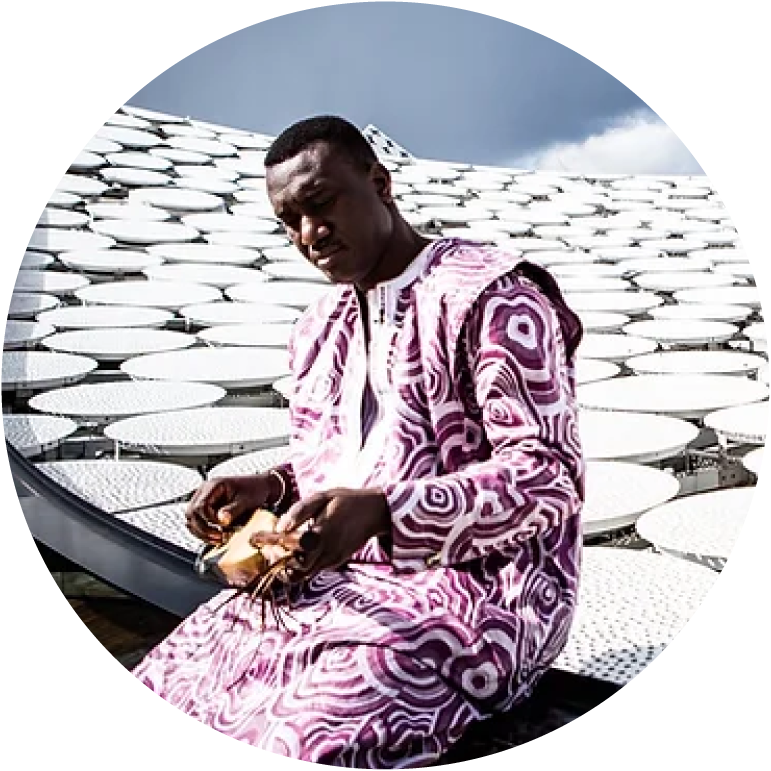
(312, 230)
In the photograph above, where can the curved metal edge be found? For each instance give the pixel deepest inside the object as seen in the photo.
(132, 560)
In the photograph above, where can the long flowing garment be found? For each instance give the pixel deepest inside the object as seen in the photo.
(464, 414)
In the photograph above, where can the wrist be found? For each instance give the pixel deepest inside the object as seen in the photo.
(278, 489)
(382, 513)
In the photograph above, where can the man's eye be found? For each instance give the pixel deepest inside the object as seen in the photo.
(320, 205)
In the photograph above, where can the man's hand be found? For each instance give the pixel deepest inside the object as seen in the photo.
(221, 504)
(329, 527)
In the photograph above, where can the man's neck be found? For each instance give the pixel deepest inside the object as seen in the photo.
(405, 245)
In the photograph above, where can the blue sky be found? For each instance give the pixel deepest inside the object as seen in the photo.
(444, 82)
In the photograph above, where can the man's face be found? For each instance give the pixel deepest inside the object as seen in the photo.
(335, 213)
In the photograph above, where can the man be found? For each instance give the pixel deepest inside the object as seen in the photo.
(434, 450)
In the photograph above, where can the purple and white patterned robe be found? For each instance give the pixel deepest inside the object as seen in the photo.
(458, 613)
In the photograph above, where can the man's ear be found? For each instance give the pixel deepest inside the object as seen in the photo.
(381, 178)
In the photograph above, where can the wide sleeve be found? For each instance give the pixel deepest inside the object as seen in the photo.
(532, 480)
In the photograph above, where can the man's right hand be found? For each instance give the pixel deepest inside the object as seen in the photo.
(219, 505)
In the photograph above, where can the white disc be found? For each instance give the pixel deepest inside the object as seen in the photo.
(35, 434)
(117, 343)
(217, 313)
(98, 316)
(37, 370)
(153, 294)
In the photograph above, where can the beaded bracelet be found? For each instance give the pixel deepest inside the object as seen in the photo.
(281, 497)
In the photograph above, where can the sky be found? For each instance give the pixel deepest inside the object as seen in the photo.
(445, 83)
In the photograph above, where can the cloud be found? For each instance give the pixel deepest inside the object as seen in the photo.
(637, 143)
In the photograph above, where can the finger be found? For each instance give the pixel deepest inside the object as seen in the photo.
(287, 541)
(302, 512)
(205, 532)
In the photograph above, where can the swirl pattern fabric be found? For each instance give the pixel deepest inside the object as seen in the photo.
(459, 612)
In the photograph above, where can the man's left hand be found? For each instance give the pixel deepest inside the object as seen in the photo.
(341, 520)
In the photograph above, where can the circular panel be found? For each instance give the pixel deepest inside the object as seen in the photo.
(247, 141)
(753, 460)
(696, 363)
(608, 346)
(702, 527)
(153, 294)
(114, 486)
(627, 253)
(35, 434)
(24, 334)
(143, 231)
(535, 244)
(27, 370)
(26, 305)
(130, 177)
(205, 172)
(117, 344)
(665, 265)
(36, 261)
(212, 147)
(721, 256)
(632, 605)
(98, 144)
(676, 245)
(294, 294)
(598, 242)
(618, 493)
(756, 332)
(599, 321)
(283, 386)
(152, 115)
(167, 522)
(97, 316)
(633, 437)
(247, 240)
(253, 335)
(250, 463)
(204, 431)
(685, 396)
(215, 313)
(176, 199)
(726, 295)
(592, 284)
(185, 130)
(592, 370)
(675, 281)
(54, 240)
(128, 121)
(219, 276)
(704, 311)
(175, 155)
(78, 184)
(226, 367)
(745, 424)
(139, 161)
(115, 210)
(65, 200)
(739, 270)
(682, 331)
(121, 399)
(295, 271)
(456, 214)
(109, 261)
(588, 269)
(212, 222)
(205, 254)
(49, 282)
(211, 185)
(630, 303)
(61, 218)
(129, 137)
(287, 253)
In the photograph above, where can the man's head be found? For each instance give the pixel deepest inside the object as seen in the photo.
(333, 196)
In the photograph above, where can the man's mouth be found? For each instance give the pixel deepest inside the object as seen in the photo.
(326, 257)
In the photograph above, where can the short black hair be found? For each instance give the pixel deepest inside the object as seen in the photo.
(335, 131)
